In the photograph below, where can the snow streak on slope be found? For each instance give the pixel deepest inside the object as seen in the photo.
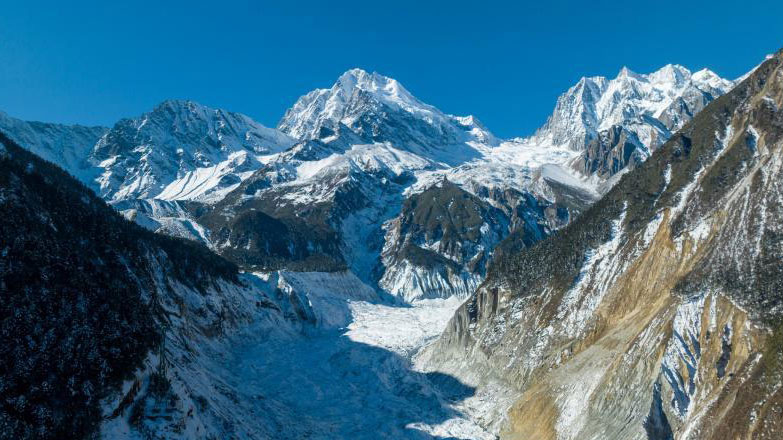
(214, 182)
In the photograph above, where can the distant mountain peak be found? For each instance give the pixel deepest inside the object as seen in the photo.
(671, 94)
(625, 72)
(378, 109)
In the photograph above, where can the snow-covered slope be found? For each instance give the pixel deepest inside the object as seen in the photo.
(181, 150)
(68, 146)
(651, 106)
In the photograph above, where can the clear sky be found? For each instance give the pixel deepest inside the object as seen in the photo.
(505, 62)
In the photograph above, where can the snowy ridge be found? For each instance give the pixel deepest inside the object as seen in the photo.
(652, 106)
(365, 145)
(181, 149)
(68, 146)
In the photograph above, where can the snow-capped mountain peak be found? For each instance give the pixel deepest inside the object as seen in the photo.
(382, 87)
(377, 109)
(141, 157)
(670, 75)
(651, 106)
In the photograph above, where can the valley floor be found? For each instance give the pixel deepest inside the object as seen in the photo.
(358, 382)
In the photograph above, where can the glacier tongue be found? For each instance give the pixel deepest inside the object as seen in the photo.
(318, 357)
(359, 383)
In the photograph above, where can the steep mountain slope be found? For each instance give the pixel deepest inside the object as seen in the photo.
(68, 146)
(81, 291)
(657, 314)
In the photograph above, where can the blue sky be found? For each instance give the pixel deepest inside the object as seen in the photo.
(505, 62)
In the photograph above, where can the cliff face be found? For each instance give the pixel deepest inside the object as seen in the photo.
(657, 313)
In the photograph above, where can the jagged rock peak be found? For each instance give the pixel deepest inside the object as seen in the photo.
(379, 109)
(651, 105)
(141, 156)
(354, 93)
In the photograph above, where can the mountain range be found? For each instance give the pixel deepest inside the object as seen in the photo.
(616, 274)
(332, 186)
